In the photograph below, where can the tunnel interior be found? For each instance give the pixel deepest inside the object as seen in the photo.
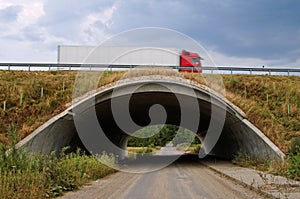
(139, 106)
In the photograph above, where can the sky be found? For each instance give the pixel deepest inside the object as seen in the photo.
(233, 32)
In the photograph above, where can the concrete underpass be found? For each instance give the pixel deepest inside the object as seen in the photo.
(237, 134)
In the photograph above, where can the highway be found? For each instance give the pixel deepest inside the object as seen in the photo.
(186, 178)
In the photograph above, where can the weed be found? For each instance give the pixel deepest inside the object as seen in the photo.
(289, 168)
(53, 72)
(23, 175)
(293, 170)
(245, 160)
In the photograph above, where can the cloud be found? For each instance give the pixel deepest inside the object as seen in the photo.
(9, 13)
(18, 16)
(95, 25)
(30, 14)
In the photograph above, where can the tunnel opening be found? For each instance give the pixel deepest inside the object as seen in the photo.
(162, 140)
(139, 106)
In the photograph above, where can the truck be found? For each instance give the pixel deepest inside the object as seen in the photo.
(130, 56)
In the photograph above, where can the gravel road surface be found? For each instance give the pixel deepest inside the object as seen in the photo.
(186, 178)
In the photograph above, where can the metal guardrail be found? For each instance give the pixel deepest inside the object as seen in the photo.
(211, 69)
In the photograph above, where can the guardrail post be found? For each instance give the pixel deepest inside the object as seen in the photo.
(28, 67)
(250, 72)
(8, 66)
(288, 72)
(231, 71)
(269, 72)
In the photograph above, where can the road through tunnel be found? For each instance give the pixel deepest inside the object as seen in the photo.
(92, 122)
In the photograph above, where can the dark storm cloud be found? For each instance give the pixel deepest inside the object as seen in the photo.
(264, 29)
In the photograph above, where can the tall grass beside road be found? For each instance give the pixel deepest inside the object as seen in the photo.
(25, 176)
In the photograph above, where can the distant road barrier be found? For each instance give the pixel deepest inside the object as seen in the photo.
(95, 67)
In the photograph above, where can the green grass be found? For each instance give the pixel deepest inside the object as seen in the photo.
(40, 176)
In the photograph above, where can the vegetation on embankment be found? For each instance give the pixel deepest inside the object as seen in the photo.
(272, 103)
(31, 98)
(23, 176)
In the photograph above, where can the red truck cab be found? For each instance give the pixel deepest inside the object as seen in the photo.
(190, 60)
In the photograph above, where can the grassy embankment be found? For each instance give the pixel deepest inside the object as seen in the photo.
(30, 99)
(270, 102)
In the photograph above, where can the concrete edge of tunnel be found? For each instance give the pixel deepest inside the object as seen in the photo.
(29, 138)
(280, 154)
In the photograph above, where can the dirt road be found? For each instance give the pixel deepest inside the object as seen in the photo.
(183, 179)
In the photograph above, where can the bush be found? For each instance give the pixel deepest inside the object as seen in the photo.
(295, 147)
(293, 158)
(293, 171)
(38, 176)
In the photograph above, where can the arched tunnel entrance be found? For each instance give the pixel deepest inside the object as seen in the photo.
(139, 106)
(77, 124)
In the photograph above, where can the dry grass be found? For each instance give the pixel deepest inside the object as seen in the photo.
(250, 93)
(266, 100)
(35, 109)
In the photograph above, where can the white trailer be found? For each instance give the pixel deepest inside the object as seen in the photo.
(119, 55)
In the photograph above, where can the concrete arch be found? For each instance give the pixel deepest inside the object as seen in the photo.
(238, 133)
